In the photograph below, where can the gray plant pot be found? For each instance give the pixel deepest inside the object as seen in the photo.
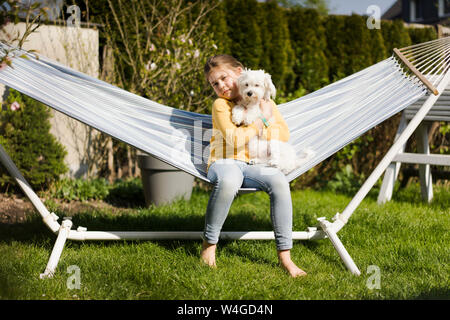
(163, 183)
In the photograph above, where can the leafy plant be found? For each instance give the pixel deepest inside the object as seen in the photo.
(160, 49)
(283, 97)
(444, 131)
(80, 189)
(345, 181)
(25, 135)
(126, 193)
(12, 11)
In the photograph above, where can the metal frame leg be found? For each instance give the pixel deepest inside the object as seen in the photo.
(327, 227)
(391, 173)
(57, 250)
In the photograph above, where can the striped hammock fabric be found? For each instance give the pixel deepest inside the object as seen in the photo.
(325, 120)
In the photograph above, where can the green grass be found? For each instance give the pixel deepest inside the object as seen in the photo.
(406, 239)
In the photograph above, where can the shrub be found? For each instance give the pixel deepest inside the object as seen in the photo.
(358, 46)
(80, 189)
(159, 50)
(218, 27)
(25, 135)
(336, 52)
(378, 49)
(307, 35)
(395, 35)
(278, 55)
(345, 181)
(422, 35)
(122, 192)
(245, 35)
(128, 193)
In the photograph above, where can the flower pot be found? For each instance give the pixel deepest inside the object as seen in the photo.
(163, 183)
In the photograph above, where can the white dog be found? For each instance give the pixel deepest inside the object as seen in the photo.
(255, 85)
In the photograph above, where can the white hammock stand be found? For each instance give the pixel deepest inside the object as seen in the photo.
(419, 55)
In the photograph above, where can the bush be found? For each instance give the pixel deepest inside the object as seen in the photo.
(378, 49)
(395, 35)
(245, 35)
(129, 193)
(278, 56)
(307, 35)
(422, 35)
(335, 52)
(159, 50)
(122, 192)
(25, 135)
(79, 189)
(358, 46)
(345, 181)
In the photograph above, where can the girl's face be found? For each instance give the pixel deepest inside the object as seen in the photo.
(223, 80)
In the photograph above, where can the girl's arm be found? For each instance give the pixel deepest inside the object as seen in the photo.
(233, 135)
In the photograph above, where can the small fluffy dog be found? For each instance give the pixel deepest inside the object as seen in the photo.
(255, 85)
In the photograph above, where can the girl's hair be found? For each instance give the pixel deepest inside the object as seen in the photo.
(219, 60)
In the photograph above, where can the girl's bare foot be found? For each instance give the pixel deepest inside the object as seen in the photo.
(284, 257)
(208, 254)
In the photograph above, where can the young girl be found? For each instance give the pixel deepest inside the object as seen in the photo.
(229, 168)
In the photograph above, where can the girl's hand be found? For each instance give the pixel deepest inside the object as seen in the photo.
(266, 108)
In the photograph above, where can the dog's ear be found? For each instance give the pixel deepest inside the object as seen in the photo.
(240, 80)
(270, 91)
(244, 74)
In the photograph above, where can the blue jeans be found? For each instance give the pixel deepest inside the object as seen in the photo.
(227, 176)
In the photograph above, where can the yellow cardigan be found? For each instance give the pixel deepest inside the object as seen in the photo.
(231, 141)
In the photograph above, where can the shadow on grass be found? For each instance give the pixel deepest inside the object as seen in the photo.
(243, 252)
(8, 291)
(333, 258)
(33, 229)
(410, 194)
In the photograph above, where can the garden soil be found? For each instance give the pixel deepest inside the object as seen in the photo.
(14, 209)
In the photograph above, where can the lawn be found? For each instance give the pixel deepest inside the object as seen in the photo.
(406, 240)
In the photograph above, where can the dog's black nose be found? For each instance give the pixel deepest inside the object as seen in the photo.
(249, 93)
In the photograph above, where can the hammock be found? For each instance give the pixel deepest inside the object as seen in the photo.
(325, 121)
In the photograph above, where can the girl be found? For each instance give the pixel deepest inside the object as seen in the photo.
(229, 168)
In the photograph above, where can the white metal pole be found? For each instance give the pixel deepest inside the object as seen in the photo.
(50, 219)
(57, 250)
(82, 235)
(393, 151)
(348, 261)
(391, 173)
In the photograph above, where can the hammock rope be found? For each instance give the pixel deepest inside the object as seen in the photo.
(430, 58)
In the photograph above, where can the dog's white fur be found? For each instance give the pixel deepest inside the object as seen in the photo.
(255, 85)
